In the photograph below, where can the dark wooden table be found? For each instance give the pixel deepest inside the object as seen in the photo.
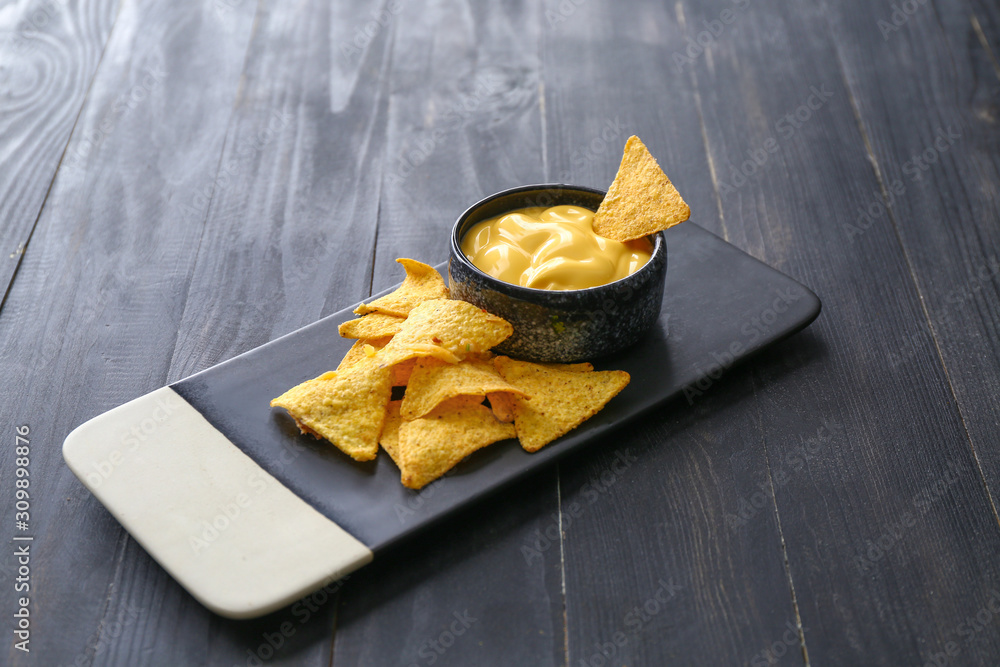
(184, 182)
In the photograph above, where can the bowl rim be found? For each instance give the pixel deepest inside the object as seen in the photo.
(658, 240)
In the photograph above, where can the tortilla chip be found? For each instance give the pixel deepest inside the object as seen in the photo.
(502, 405)
(422, 283)
(580, 367)
(367, 347)
(401, 372)
(447, 329)
(358, 351)
(435, 381)
(347, 407)
(465, 401)
(389, 438)
(560, 400)
(641, 200)
(373, 325)
(432, 445)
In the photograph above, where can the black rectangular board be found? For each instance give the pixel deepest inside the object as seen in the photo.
(720, 306)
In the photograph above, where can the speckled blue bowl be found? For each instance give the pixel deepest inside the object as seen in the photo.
(559, 325)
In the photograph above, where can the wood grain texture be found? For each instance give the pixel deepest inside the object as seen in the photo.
(656, 563)
(870, 523)
(291, 216)
(102, 290)
(288, 238)
(239, 170)
(464, 121)
(946, 164)
(984, 19)
(48, 54)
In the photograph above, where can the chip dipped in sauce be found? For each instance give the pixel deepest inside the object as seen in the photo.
(551, 248)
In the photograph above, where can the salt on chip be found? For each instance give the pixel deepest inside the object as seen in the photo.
(641, 200)
(448, 329)
(347, 407)
(422, 283)
(372, 325)
(434, 381)
(432, 445)
(358, 351)
(559, 400)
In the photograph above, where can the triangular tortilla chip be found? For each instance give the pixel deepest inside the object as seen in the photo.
(502, 403)
(580, 367)
(401, 372)
(422, 283)
(367, 347)
(347, 408)
(448, 329)
(389, 438)
(559, 400)
(432, 445)
(358, 351)
(641, 200)
(434, 381)
(373, 325)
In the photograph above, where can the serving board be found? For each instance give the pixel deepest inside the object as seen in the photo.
(249, 515)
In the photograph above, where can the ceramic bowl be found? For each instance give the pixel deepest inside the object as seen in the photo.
(559, 325)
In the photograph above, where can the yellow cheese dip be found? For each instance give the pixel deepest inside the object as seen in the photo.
(551, 248)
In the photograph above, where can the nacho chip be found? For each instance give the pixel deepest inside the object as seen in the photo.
(389, 438)
(502, 405)
(358, 351)
(373, 325)
(432, 445)
(641, 200)
(367, 347)
(465, 401)
(347, 407)
(447, 329)
(401, 372)
(560, 400)
(422, 283)
(435, 381)
(580, 367)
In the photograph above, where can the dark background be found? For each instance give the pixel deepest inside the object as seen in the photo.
(182, 182)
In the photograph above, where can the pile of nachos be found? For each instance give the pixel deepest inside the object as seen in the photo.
(457, 396)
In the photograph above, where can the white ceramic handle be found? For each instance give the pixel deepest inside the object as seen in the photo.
(236, 538)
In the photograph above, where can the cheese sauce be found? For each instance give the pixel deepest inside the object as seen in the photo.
(551, 248)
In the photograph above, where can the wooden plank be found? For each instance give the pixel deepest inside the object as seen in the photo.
(291, 217)
(92, 319)
(289, 238)
(867, 522)
(943, 176)
(656, 556)
(159, 248)
(464, 122)
(984, 19)
(290, 202)
(49, 52)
